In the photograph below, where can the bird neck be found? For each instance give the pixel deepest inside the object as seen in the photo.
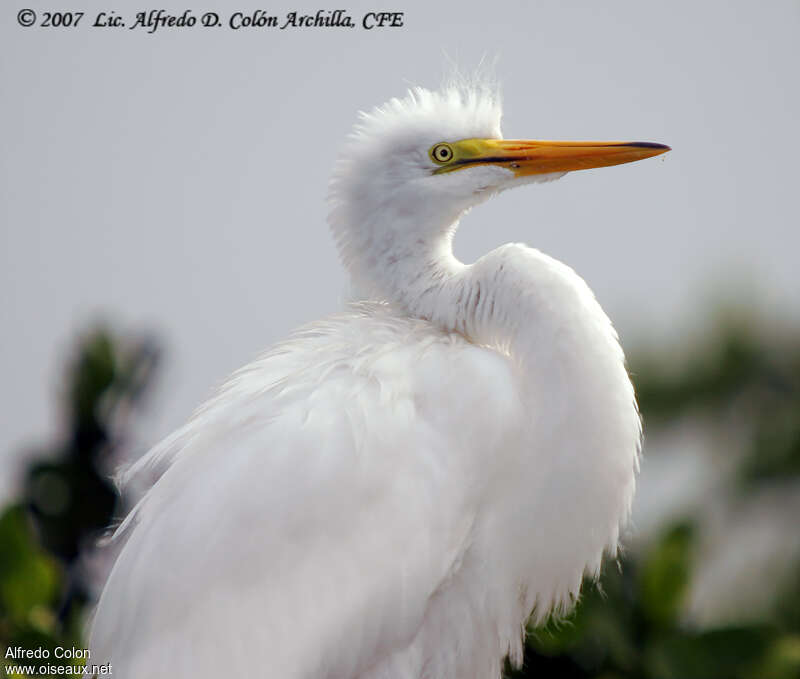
(514, 298)
(406, 258)
(503, 300)
(400, 252)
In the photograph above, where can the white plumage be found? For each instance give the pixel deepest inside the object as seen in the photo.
(394, 490)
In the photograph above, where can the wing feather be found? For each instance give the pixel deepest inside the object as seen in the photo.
(309, 512)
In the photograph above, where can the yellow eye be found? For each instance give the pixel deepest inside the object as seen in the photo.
(441, 153)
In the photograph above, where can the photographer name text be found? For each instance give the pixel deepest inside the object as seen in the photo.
(154, 20)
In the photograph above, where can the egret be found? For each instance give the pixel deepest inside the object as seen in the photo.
(395, 490)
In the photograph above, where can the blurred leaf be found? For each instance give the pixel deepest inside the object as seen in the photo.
(29, 578)
(782, 660)
(92, 373)
(665, 576)
(776, 444)
(71, 502)
(787, 605)
(735, 653)
(713, 376)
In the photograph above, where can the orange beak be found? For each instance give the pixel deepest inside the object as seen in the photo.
(529, 157)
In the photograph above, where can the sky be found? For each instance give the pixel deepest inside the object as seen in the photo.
(173, 183)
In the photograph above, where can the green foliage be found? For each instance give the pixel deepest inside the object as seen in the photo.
(29, 577)
(68, 500)
(664, 577)
(737, 374)
(68, 490)
(629, 627)
(31, 583)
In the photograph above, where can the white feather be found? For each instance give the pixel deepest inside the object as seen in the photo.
(393, 491)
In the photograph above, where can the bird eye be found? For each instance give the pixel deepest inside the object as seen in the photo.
(441, 153)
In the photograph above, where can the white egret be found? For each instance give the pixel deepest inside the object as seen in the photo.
(393, 491)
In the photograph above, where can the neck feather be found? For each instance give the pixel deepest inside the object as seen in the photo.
(515, 298)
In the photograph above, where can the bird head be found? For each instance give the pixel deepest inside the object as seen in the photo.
(413, 166)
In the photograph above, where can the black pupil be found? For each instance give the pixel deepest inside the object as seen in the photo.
(442, 153)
